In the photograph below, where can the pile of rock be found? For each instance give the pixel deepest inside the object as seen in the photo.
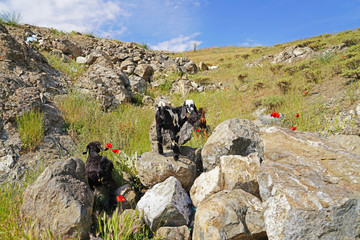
(296, 187)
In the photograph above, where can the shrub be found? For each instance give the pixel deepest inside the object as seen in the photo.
(352, 68)
(284, 84)
(144, 46)
(242, 76)
(31, 128)
(311, 76)
(273, 102)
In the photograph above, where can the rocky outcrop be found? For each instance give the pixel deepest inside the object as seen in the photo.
(154, 168)
(64, 199)
(166, 204)
(292, 54)
(232, 137)
(229, 214)
(309, 187)
(106, 83)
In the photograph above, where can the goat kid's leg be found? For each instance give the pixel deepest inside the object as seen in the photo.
(175, 145)
(159, 139)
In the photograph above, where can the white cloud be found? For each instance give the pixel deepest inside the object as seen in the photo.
(250, 43)
(68, 15)
(178, 44)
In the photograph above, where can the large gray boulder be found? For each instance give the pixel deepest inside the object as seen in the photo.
(229, 214)
(144, 71)
(309, 187)
(232, 137)
(234, 172)
(154, 168)
(166, 204)
(292, 54)
(60, 200)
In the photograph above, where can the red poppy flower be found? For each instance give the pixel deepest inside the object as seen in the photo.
(293, 128)
(343, 56)
(275, 115)
(116, 151)
(305, 92)
(108, 145)
(120, 198)
(198, 129)
(297, 115)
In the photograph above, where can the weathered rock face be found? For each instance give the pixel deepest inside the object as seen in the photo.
(229, 215)
(232, 137)
(154, 168)
(207, 184)
(144, 71)
(241, 172)
(310, 187)
(184, 87)
(166, 203)
(106, 82)
(60, 200)
(350, 142)
(137, 84)
(173, 233)
(203, 66)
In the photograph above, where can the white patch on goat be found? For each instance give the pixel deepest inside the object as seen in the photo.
(161, 104)
(189, 105)
(174, 117)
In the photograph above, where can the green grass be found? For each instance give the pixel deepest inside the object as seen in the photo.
(11, 225)
(31, 128)
(122, 226)
(127, 127)
(71, 68)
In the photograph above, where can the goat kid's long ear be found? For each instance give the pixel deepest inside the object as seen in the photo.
(87, 149)
(183, 112)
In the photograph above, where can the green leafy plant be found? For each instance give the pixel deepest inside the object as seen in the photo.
(31, 128)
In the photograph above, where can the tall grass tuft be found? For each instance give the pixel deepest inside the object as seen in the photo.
(120, 226)
(31, 128)
(12, 18)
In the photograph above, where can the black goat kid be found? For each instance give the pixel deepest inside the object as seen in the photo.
(99, 171)
(172, 119)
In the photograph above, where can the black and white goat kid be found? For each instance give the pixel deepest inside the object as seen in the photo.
(172, 119)
(99, 171)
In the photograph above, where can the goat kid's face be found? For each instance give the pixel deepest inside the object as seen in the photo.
(190, 106)
(93, 147)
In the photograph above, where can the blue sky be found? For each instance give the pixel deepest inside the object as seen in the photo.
(177, 25)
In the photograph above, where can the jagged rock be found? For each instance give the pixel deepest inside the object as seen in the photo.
(309, 187)
(171, 66)
(154, 168)
(291, 54)
(128, 66)
(106, 83)
(68, 47)
(144, 71)
(173, 233)
(232, 137)
(203, 66)
(137, 84)
(184, 87)
(241, 172)
(229, 214)
(191, 67)
(233, 172)
(166, 204)
(185, 136)
(92, 57)
(207, 184)
(65, 200)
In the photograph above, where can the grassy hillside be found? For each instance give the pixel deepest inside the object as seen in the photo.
(322, 90)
